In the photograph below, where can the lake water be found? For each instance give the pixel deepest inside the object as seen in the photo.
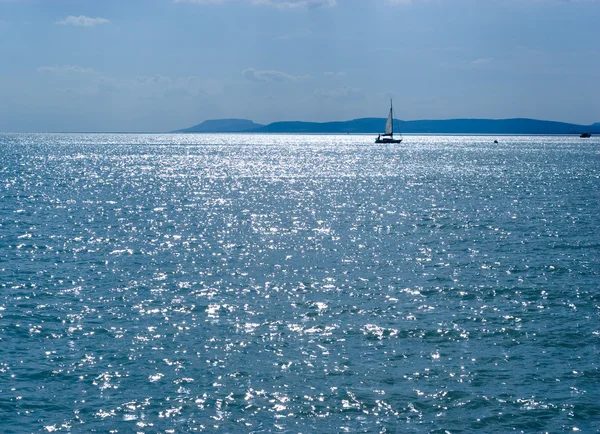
(299, 283)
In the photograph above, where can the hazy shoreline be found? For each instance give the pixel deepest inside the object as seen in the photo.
(375, 125)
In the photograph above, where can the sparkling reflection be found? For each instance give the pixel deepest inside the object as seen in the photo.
(169, 283)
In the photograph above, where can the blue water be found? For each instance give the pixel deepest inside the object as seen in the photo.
(289, 283)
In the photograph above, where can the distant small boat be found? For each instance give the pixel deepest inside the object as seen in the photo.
(585, 135)
(496, 141)
(388, 136)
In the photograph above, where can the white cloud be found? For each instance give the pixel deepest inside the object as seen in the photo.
(335, 74)
(156, 79)
(482, 61)
(269, 75)
(87, 81)
(191, 84)
(65, 69)
(82, 21)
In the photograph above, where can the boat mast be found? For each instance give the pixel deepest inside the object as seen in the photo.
(392, 113)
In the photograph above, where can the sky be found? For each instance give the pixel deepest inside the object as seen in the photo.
(161, 65)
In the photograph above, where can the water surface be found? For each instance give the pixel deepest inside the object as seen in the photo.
(290, 283)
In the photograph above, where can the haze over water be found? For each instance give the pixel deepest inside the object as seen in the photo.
(290, 283)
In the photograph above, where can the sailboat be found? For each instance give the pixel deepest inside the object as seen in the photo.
(388, 136)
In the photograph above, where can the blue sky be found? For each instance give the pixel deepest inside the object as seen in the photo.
(159, 65)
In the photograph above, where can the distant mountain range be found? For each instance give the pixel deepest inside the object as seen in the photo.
(222, 126)
(375, 125)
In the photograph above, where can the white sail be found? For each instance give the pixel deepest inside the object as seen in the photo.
(388, 125)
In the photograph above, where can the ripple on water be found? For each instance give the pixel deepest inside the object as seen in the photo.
(298, 283)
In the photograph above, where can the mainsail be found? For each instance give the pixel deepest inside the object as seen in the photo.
(389, 125)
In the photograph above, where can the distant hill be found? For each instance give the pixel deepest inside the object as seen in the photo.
(222, 126)
(375, 125)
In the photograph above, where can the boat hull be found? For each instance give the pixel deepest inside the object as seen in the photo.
(388, 140)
